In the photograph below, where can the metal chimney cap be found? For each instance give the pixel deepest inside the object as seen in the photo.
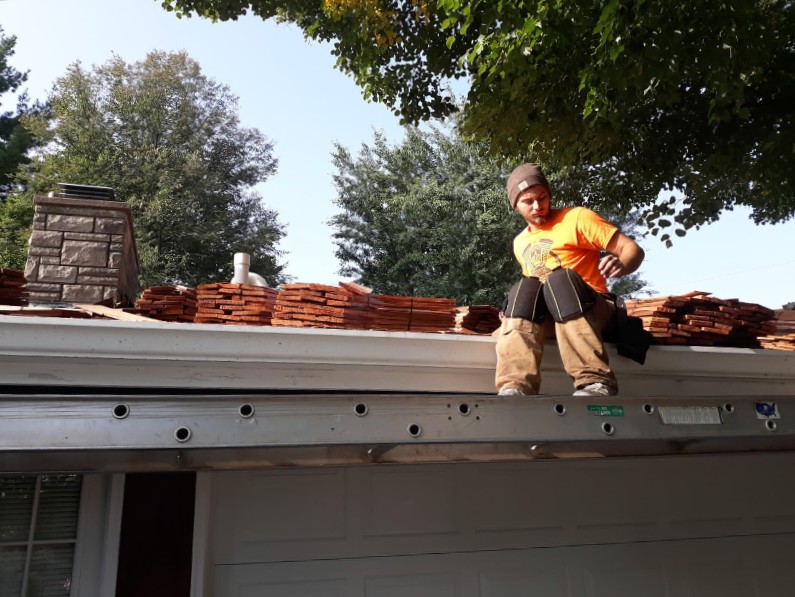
(84, 191)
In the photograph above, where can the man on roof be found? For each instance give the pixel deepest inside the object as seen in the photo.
(563, 280)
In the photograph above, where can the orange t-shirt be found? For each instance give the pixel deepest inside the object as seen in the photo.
(571, 238)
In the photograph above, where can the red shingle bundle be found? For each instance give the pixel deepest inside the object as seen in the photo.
(697, 319)
(235, 304)
(477, 319)
(167, 303)
(352, 306)
(13, 287)
(782, 336)
(319, 305)
(412, 314)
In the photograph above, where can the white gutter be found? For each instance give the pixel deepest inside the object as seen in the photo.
(46, 352)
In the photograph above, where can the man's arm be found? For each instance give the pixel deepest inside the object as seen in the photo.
(624, 257)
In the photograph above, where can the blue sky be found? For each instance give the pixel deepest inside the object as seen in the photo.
(289, 89)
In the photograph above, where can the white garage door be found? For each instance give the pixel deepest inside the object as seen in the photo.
(695, 526)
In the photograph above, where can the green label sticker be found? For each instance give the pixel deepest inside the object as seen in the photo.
(606, 411)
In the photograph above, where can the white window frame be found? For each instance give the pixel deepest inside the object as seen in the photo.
(99, 529)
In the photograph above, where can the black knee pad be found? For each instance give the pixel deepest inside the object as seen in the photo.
(526, 300)
(567, 295)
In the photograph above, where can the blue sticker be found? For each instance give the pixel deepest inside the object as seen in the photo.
(767, 410)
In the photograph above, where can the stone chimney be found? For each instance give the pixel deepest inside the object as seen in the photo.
(82, 249)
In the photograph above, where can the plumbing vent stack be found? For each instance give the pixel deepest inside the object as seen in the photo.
(242, 275)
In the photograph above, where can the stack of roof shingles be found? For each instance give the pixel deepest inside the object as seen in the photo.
(319, 305)
(352, 306)
(782, 337)
(477, 319)
(412, 314)
(168, 303)
(235, 304)
(13, 287)
(697, 319)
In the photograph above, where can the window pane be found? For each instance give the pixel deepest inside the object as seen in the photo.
(16, 503)
(59, 505)
(50, 571)
(12, 565)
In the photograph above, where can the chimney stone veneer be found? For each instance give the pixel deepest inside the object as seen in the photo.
(81, 251)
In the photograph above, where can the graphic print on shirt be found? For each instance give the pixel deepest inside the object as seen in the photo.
(539, 259)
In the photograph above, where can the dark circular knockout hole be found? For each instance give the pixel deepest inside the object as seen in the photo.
(246, 410)
(771, 425)
(120, 411)
(608, 428)
(728, 407)
(648, 408)
(360, 409)
(559, 409)
(182, 434)
(414, 430)
(463, 408)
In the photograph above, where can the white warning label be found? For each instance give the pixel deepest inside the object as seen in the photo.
(689, 415)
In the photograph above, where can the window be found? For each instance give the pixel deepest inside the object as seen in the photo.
(38, 533)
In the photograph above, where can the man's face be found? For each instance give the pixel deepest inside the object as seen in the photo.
(533, 205)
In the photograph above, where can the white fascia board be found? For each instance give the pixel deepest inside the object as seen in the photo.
(118, 354)
(107, 339)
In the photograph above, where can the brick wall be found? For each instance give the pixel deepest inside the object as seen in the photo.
(81, 251)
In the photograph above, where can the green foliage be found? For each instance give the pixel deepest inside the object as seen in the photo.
(15, 138)
(16, 217)
(623, 99)
(428, 217)
(169, 141)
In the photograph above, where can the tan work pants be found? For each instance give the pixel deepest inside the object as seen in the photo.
(520, 347)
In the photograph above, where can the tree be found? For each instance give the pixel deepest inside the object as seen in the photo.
(428, 217)
(16, 218)
(169, 141)
(15, 138)
(626, 100)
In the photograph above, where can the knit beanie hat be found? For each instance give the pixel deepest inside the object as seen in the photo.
(523, 177)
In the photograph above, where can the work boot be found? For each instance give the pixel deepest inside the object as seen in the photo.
(596, 389)
(511, 392)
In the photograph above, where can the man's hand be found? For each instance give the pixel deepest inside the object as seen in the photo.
(611, 267)
(624, 257)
